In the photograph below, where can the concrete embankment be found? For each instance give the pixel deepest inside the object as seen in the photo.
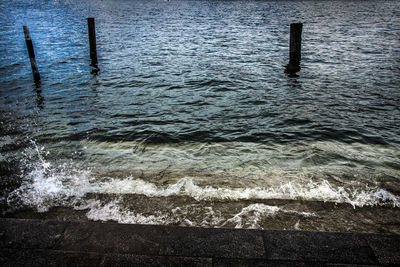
(57, 243)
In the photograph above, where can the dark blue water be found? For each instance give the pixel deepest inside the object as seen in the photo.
(192, 104)
(204, 71)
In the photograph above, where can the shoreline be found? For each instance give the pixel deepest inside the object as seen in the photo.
(261, 215)
(44, 242)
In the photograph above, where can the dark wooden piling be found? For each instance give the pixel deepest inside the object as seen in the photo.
(31, 52)
(295, 48)
(92, 42)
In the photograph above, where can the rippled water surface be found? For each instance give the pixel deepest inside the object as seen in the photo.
(192, 120)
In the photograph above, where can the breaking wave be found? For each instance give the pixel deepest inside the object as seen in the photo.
(249, 217)
(47, 186)
(317, 191)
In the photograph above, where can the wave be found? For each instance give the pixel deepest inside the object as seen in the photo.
(315, 191)
(47, 186)
(249, 216)
(54, 183)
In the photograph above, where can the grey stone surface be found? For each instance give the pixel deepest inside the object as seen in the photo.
(318, 246)
(162, 240)
(350, 265)
(48, 243)
(150, 261)
(42, 258)
(19, 233)
(260, 262)
(385, 247)
(226, 243)
(112, 238)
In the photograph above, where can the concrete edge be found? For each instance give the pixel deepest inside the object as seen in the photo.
(110, 243)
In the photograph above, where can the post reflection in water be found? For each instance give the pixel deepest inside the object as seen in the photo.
(39, 97)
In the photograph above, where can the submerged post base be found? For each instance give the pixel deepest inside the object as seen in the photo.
(292, 69)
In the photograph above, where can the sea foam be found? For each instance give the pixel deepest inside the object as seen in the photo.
(250, 217)
(49, 184)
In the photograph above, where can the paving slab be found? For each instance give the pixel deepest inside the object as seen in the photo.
(225, 243)
(153, 261)
(385, 247)
(318, 246)
(57, 243)
(42, 258)
(350, 265)
(112, 238)
(20, 233)
(162, 240)
(263, 263)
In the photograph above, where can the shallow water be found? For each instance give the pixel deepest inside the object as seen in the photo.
(192, 120)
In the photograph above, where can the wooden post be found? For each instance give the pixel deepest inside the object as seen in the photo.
(31, 52)
(295, 48)
(92, 42)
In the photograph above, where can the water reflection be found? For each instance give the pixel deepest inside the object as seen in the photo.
(292, 74)
(39, 97)
(294, 82)
(168, 69)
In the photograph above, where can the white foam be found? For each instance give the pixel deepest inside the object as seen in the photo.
(297, 225)
(46, 185)
(50, 184)
(113, 211)
(317, 191)
(252, 215)
(204, 216)
(43, 189)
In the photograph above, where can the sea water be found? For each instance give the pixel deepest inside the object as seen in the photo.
(192, 120)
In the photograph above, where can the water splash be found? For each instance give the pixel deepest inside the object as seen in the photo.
(52, 183)
(252, 215)
(47, 185)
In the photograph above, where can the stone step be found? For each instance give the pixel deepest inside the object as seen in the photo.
(24, 242)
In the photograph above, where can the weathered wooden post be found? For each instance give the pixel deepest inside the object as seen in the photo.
(92, 43)
(294, 48)
(31, 52)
